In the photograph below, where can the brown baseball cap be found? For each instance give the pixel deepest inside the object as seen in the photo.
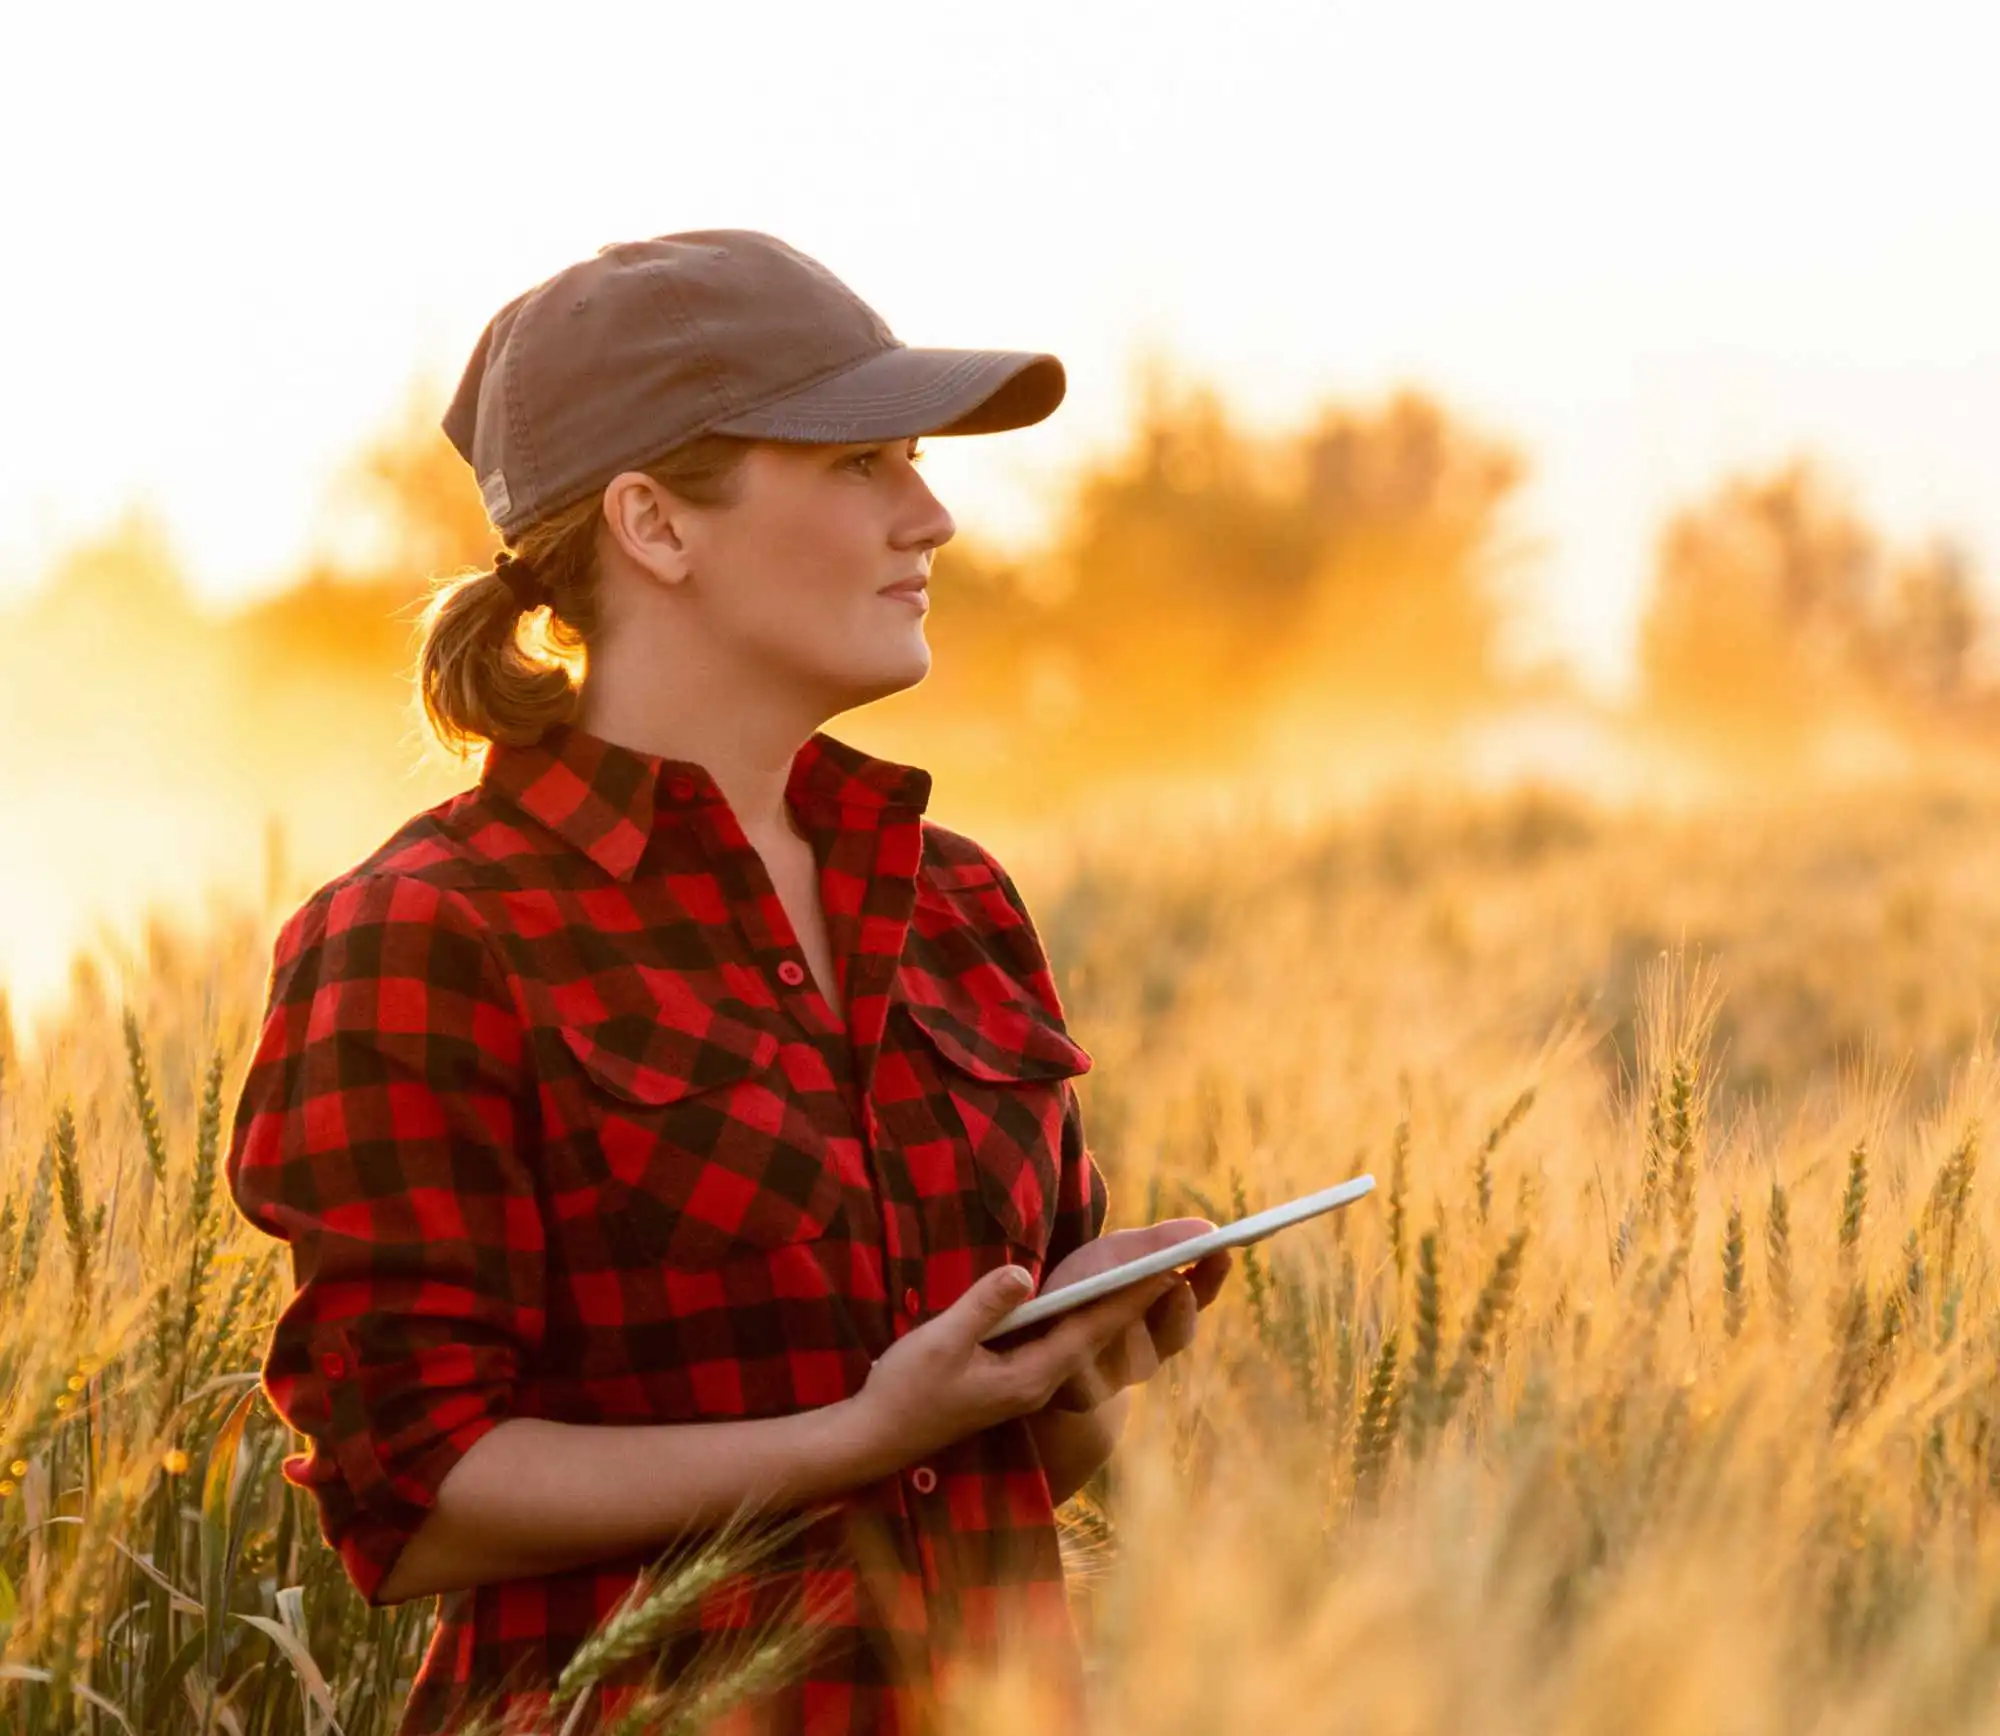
(616, 360)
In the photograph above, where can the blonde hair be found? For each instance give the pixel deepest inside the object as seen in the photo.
(477, 681)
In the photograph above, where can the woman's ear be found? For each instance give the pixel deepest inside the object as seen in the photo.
(649, 526)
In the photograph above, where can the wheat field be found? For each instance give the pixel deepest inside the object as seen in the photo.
(1654, 1388)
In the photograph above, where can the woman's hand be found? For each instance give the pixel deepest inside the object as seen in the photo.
(1165, 1329)
(938, 1384)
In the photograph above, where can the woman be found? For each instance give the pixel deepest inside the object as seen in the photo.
(658, 1124)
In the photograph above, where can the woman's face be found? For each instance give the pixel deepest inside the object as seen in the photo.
(785, 583)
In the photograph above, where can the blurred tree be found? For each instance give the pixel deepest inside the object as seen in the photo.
(1933, 626)
(1773, 600)
(1204, 576)
(112, 645)
(1760, 600)
(1176, 568)
(124, 586)
(1409, 597)
(327, 622)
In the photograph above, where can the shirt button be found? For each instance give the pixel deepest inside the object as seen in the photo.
(791, 971)
(333, 1365)
(871, 1121)
(911, 1301)
(924, 1478)
(681, 788)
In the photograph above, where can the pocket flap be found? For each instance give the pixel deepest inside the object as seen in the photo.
(1009, 1041)
(635, 1056)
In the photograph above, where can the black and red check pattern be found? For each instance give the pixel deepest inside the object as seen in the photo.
(558, 1124)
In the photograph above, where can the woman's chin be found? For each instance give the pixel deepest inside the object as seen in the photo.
(894, 674)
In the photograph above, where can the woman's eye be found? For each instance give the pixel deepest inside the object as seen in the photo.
(876, 452)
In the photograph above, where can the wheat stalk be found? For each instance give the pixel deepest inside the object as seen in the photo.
(1733, 1299)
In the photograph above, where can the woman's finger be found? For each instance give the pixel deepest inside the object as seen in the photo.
(1206, 1279)
(1130, 1359)
(1090, 1348)
(1119, 1363)
(1110, 1315)
(1141, 1359)
(1171, 1322)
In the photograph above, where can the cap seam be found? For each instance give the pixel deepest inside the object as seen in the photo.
(934, 393)
(818, 379)
(960, 371)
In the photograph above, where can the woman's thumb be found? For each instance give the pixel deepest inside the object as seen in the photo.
(1002, 1291)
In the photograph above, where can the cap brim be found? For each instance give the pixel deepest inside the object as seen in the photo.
(907, 391)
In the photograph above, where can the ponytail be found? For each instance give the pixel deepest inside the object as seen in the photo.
(476, 678)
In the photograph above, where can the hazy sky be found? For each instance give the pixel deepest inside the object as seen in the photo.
(1651, 242)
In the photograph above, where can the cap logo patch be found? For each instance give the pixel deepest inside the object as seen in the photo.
(493, 490)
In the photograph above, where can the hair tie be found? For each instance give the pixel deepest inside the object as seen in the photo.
(522, 579)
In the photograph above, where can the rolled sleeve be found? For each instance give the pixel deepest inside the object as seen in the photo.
(379, 1132)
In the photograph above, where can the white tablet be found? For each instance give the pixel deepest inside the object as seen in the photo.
(1254, 1228)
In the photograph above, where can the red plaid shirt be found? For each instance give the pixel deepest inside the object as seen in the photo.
(558, 1124)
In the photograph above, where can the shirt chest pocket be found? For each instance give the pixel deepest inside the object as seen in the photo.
(684, 1150)
(999, 1073)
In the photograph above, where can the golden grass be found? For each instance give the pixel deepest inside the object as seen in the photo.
(1656, 1387)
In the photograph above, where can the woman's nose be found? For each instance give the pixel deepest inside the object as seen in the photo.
(934, 524)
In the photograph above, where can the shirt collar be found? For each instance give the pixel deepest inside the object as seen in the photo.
(603, 798)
